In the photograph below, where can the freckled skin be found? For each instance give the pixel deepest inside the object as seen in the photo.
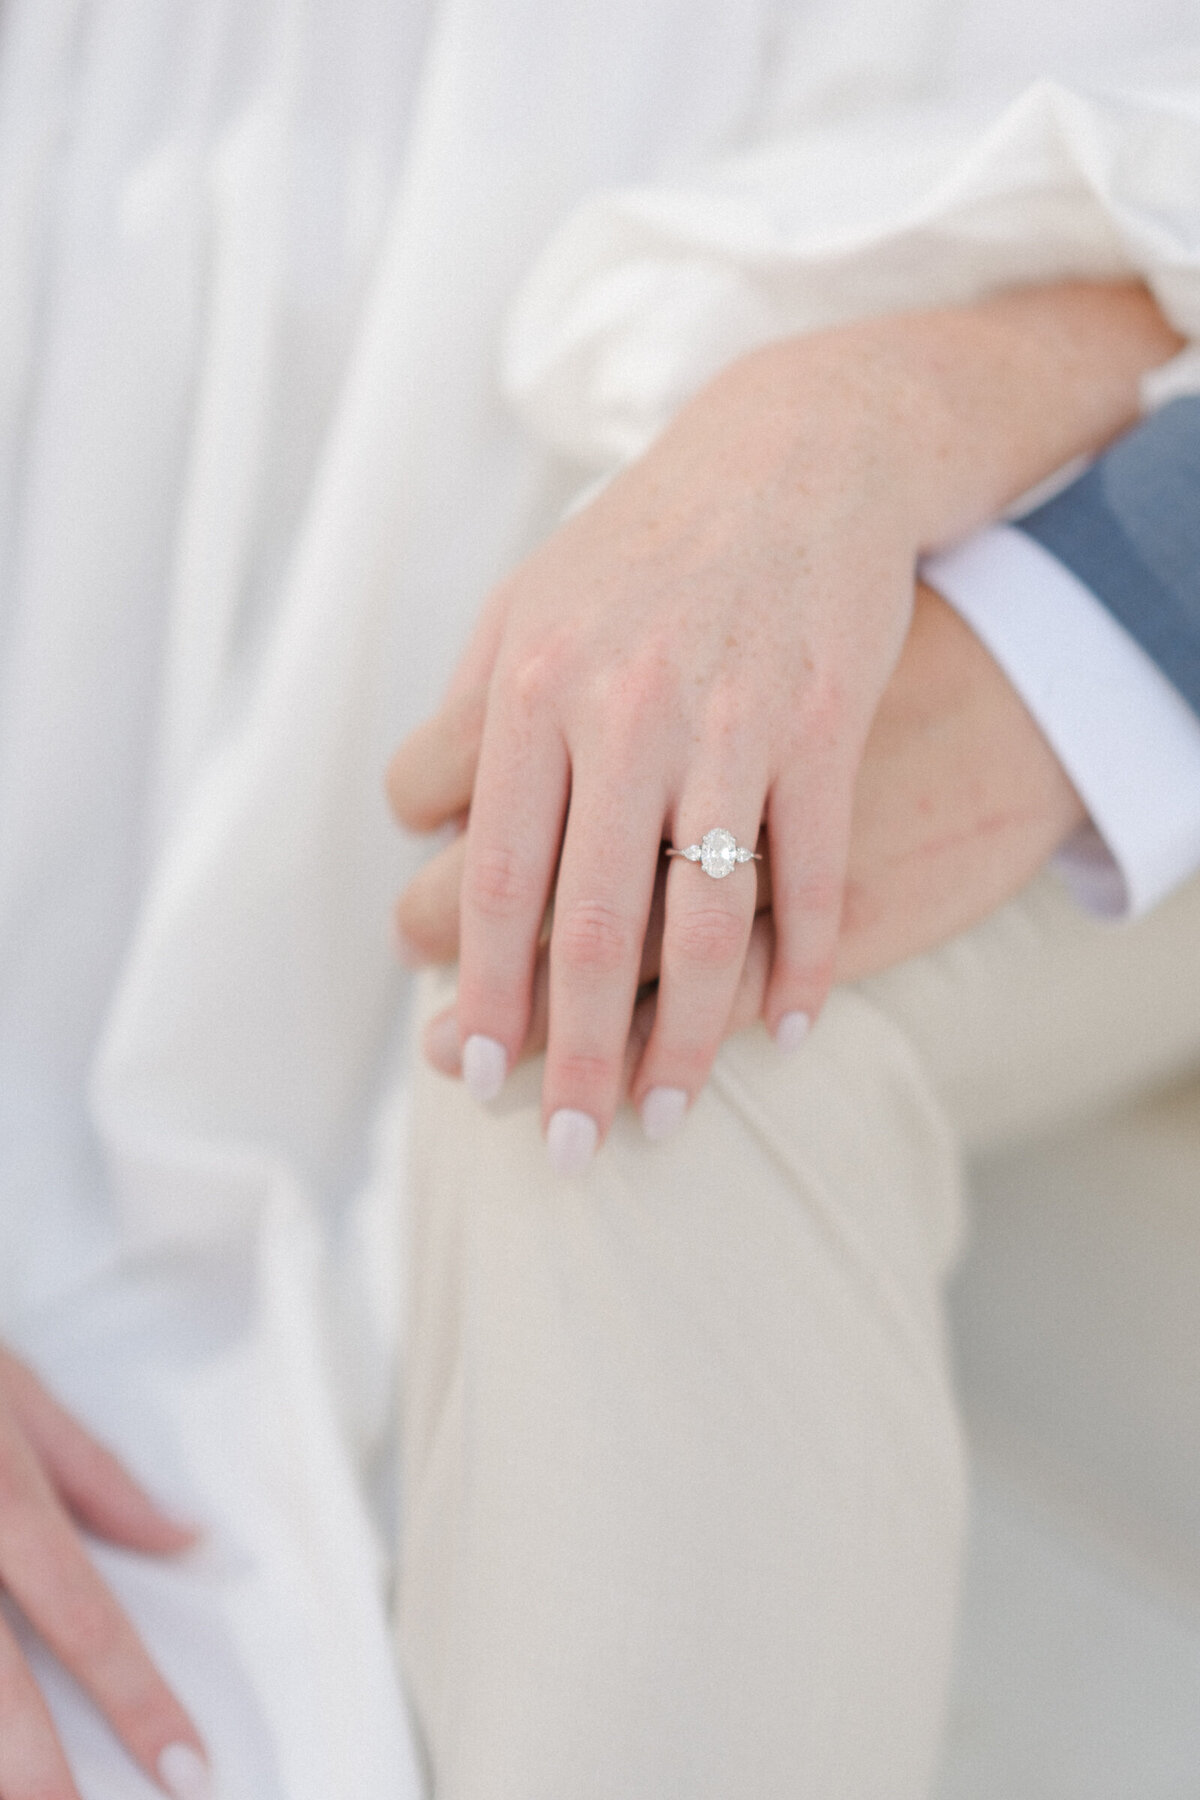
(713, 641)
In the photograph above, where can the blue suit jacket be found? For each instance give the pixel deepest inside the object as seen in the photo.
(1130, 529)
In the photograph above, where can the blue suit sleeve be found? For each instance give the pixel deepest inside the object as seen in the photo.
(1129, 528)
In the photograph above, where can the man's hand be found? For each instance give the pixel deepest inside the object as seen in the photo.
(959, 801)
(55, 1478)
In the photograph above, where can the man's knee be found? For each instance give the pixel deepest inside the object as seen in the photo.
(693, 1398)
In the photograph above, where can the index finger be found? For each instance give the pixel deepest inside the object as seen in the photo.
(431, 776)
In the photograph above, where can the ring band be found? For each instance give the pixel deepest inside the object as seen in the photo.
(718, 853)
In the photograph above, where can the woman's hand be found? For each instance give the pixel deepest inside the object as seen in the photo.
(54, 1478)
(707, 644)
(680, 656)
(959, 801)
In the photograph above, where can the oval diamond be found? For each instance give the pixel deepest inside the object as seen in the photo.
(718, 853)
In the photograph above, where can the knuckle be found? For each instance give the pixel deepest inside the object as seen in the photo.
(582, 1072)
(728, 712)
(710, 937)
(804, 977)
(815, 893)
(497, 884)
(536, 676)
(594, 937)
(632, 721)
(642, 684)
(684, 1062)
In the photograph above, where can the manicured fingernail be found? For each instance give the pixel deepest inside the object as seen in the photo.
(571, 1141)
(441, 1044)
(792, 1030)
(484, 1066)
(663, 1110)
(184, 1773)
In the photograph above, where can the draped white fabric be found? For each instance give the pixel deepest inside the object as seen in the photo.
(263, 329)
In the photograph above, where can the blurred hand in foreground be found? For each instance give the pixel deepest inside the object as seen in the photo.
(54, 1479)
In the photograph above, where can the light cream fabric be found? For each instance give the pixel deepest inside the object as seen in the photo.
(268, 271)
(683, 1474)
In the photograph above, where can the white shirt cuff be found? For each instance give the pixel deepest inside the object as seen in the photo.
(1127, 739)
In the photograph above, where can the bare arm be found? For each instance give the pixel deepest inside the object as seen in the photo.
(55, 1478)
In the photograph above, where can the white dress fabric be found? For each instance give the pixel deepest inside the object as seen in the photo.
(279, 397)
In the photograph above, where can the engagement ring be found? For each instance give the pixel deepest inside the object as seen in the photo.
(717, 852)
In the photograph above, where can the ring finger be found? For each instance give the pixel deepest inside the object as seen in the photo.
(709, 912)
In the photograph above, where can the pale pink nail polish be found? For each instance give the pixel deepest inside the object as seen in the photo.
(484, 1067)
(663, 1111)
(792, 1030)
(571, 1139)
(184, 1773)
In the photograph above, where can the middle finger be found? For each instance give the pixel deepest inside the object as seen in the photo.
(601, 908)
(508, 869)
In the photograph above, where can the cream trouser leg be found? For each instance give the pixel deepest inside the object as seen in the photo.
(684, 1483)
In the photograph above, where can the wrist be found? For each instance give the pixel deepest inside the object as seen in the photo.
(830, 420)
(950, 415)
(1011, 389)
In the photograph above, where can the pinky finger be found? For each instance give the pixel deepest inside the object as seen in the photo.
(751, 994)
(32, 1765)
(747, 1005)
(808, 821)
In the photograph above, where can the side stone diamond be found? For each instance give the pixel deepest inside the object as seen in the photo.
(718, 853)
(692, 853)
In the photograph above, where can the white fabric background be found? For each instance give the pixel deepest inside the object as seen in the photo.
(256, 259)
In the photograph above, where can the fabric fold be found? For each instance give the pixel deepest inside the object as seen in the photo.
(645, 294)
